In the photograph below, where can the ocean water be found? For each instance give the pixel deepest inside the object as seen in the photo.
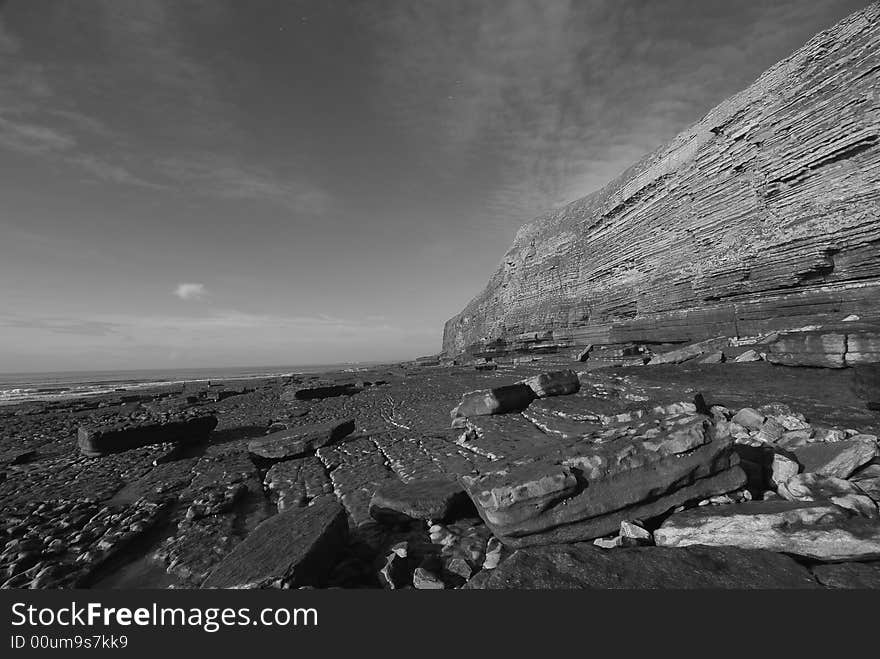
(22, 387)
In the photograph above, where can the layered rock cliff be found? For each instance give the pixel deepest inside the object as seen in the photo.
(764, 215)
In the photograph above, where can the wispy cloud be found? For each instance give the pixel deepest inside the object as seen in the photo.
(173, 129)
(190, 291)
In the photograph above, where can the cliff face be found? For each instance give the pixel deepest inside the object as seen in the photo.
(764, 215)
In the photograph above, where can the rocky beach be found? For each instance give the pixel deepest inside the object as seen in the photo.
(736, 474)
(671, 383)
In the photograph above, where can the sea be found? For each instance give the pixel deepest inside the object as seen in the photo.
(24, 387)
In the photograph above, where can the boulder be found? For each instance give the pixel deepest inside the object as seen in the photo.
(633, 535)
(838, 459)
(294, 548)
(97, 441)
(581, 566)
(748, 356)
(554, 383)
(817, 530)
(438, 500)
(423, 579)
(749, 418)
(584, 355)
(783, 469)
(511, 398)
(300, 441)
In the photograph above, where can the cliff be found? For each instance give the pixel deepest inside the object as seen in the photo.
(764, 215)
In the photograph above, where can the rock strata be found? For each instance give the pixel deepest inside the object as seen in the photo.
(760, 218)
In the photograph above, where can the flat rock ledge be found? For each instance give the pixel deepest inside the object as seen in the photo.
(294, 548)
(300, 441)
(435, 500)
(98, 441)
(582, 566)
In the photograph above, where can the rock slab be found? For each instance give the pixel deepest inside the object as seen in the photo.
(300, 441)
(291, 549)
(97, 441)
(436, 500)
(582, 566)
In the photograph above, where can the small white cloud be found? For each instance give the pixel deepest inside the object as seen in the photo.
(190, 291)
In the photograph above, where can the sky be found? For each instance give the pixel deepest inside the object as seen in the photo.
(206, 183)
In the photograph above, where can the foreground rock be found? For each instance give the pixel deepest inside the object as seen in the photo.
(821, 531)
(549, 490)
(300, 441)
(293, 548)
(582, 566)
(97, 441)
(435, 500)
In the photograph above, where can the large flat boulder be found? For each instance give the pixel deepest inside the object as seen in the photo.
(294, 548)
(818, 530)
(582, 566)
(429, 499)
(97, 441)
(510, 398)
(300, 441)
(555, 490)
(837, 459)
(324, 391)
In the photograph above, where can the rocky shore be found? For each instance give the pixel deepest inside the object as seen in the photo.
(554, 473)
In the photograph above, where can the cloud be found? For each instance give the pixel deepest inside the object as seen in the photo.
(148, 113)
(190, 291)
